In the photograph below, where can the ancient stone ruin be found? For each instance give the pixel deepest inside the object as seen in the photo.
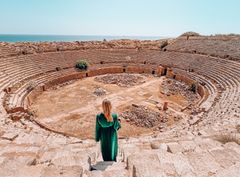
(179, 101)
(124, 80)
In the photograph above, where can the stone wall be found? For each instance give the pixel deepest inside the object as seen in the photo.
(64, 79)
(200, 89)
(143, 68)
(108, 70)
(170, 73)
(90, 73)
(33, 94)
(184, 79)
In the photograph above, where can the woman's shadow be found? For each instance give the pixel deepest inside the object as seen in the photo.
(101, 166)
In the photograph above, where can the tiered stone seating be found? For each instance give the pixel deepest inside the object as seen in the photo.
(192, 157)
(210, 87)
(6, 50)
(16, 98)
(164, 154)
(105, 56)
(225, 47)
(228, 100)
(19, 68)
(38, 154)
(43, 154)
(37, 63)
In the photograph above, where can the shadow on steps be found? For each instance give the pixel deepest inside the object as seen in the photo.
(101, 166)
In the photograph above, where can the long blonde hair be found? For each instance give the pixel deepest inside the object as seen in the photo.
(107, 107)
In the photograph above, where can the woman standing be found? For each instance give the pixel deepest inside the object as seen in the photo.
(107, 125)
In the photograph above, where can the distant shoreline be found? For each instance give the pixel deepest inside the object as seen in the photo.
(69, 38)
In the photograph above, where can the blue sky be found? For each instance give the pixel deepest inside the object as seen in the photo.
(119, 17)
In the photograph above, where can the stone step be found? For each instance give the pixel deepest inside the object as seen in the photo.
(225, 157)
(150, 166)
(109, 169)
(159, 163)
(232, 171)
(200, 157)
(208, 144)
(203, 164)
(61, 157)
(41, 171)
(180, 163)
(232, 145)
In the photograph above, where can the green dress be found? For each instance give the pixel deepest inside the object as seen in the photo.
(106, 132)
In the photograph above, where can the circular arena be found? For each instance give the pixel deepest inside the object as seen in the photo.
(178, 99)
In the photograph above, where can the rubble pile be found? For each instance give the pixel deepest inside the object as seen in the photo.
(99, 92)
(122, 80)
(173, 87)
(143, 116)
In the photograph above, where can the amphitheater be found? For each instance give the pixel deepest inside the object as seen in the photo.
(47, 107)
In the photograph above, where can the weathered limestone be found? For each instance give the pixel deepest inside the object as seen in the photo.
(160, 71)
(186, 161)
(43, 171)
(170, 73)
(137, 157)
(207, 45)
(9, 136)
(184, 149)
(109, 169)
(144, 168)
(165, 106)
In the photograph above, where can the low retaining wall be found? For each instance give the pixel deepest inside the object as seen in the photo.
(170, 73)
(107, 70)
(159, 71)
(63, 79)
(90, 73)
(200, 89)
(16, 109)
(33, 95)
(148, 69)
(184, 79)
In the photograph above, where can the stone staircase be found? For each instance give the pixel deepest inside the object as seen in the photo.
(27, 150)
(32, 151)
(109, 169)
(196, 157)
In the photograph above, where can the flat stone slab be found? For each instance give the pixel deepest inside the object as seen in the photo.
(102, 165)
(43, 171)
(9, 136)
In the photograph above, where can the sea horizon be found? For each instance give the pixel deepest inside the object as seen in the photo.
(68, 38)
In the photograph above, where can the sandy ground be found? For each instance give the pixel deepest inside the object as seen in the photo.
(73, 108)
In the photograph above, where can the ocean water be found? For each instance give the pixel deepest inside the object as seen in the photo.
(67, 38)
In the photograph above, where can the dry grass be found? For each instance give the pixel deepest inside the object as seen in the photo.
(238, 128)
(228, 137)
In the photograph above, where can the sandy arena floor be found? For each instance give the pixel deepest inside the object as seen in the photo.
(73, 108)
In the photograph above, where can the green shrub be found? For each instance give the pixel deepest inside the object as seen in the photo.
(193, 87)
(82, 65)
(163, 44)
(190, 33)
